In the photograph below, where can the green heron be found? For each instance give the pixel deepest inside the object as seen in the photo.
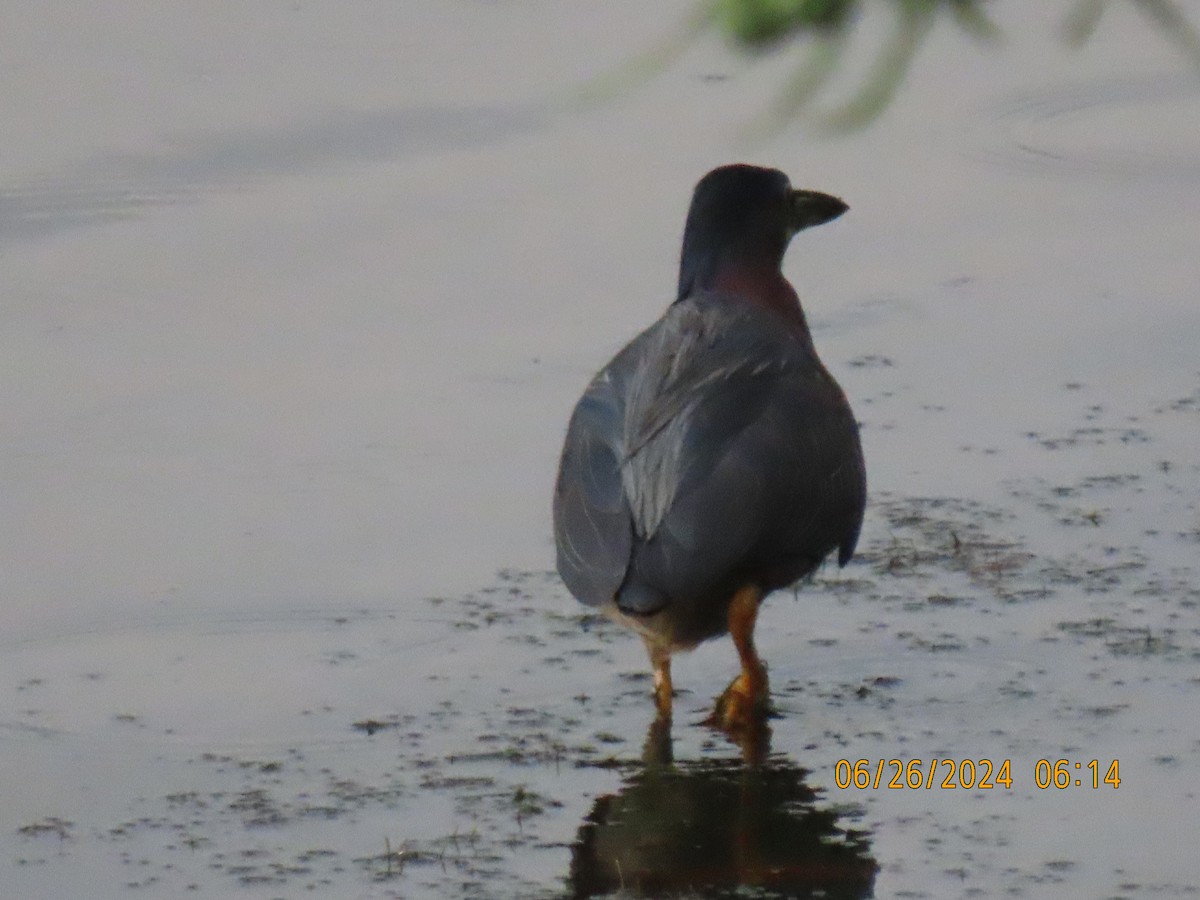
(714, 459)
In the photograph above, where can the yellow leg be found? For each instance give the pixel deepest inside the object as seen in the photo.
(660, 659)
(744, 704)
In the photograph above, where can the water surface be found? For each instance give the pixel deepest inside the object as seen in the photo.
(296, 303)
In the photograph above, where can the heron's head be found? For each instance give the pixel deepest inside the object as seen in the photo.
(744, 216)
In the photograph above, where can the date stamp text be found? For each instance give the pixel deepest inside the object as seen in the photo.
(973, 774)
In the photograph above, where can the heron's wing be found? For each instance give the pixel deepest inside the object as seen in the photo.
(616, 473)
(706, 372)
(739, 442)
(803, 461)
(593, 528)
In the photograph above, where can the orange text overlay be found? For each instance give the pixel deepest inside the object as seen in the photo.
(974, 774)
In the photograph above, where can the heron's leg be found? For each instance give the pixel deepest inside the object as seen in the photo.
(744, 703)
(660, 659)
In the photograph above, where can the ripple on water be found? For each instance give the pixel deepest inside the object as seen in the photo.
(1116, 129)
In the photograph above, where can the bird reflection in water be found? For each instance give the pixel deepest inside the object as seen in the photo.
(716, 828)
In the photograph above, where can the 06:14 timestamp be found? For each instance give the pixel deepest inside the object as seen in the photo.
(1065, 773)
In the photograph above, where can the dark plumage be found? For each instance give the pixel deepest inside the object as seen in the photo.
(714, 459)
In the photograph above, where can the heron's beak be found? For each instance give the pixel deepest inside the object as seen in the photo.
(811, 208)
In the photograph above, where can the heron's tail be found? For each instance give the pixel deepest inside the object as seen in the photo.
(640, 599)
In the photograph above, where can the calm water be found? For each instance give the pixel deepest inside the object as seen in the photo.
(296, 301)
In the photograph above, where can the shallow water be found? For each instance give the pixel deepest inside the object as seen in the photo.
(296, 303)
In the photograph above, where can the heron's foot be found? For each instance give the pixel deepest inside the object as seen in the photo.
(745, 704)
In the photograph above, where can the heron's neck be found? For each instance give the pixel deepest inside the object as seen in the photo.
(767, 289)
(748, 268)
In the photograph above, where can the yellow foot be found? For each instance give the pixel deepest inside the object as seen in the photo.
(744, 706)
